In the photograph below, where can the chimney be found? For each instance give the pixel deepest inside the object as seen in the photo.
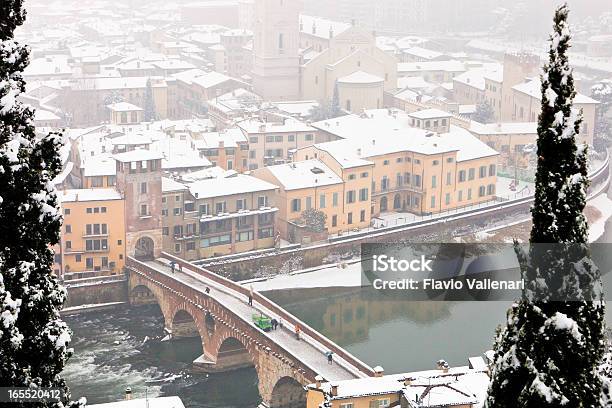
(128, 394)
(379, 371)
(318, 380)
(334, 389)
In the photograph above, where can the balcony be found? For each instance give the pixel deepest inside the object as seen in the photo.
(397, 189)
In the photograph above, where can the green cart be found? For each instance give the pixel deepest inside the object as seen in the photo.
(263, 322)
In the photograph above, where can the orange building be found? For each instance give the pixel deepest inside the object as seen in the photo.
(92, 241)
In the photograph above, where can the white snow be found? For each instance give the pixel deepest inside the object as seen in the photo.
(344, 274)
(604, 205)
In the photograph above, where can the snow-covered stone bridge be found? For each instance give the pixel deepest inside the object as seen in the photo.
(197, 302)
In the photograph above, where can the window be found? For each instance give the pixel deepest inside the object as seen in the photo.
(177, 198)
(349, 218)
(280, 42)
(491, 189)
(241, 204)
(334, 220)
(492, 170)
(435, 162)
(363, 194)
(269, 139)
(399, 179)
(89, 263)
(364, 174)
(407, 178)
(460, 195)
(322, 201)
(177, 211)
(165, 231)
(96, 210)
(291, 138)
(189, 206)
(296, 205)
(265, 233)
(245, 236)
(469, 194)
(105, 262)
(253, 139)
(164, 212)
(348, 105)
(119, 242)
(461, 176)
(471, 174)
(352, 176)
(308, 137)
(88, 210)
(417, 161)
(177, 248)
(262, 201)
(417, 180)
(448, 178)
(350, 196)
(447, 199)
(384, 403)
(77, 257)
(97, 181)
(386, 163)
(399, 160)
(213, 241)
(144, 210)
(68, 244)
(433, 202)
(308, 203)
(335, 200)
(347, 405)
(434, 181)
(68, 228)
(481, 191)
(220, 207)
(362, 216)
(278, 138)
(143, 188)
(482, 173)
(190, 246)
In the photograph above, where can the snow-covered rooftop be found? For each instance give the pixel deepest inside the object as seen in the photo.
(430, 114)
(321, 27)
(304, 174)
(233, 183)
(533, 89)
(138, 155)
(360, 77)
(382, 131)
(123, 107)
(504, 128)
(89, 194)
(290, 125)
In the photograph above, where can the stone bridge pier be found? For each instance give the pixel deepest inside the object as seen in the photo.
(228, 343)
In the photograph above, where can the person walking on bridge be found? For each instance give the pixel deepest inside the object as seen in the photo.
(250, 295)
(172, 263)
(181, 267)
(330, 358)
(297, 331)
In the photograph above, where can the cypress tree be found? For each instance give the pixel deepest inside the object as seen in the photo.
(33, 339)
(548, 353)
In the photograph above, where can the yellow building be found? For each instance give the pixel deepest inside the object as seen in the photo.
(457, 387)
(415, 169)
(514, 141)
(92, 239)
(343, 196)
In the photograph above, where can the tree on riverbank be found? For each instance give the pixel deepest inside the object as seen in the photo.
(548, 353)
(33, 339)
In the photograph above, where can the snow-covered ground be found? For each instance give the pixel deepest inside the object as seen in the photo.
(324, 276)
(523, 188)
(604, 205)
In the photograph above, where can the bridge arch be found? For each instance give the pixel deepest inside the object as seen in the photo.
(232, 354)
(144, 249)
(288, 393)
(184, 325)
